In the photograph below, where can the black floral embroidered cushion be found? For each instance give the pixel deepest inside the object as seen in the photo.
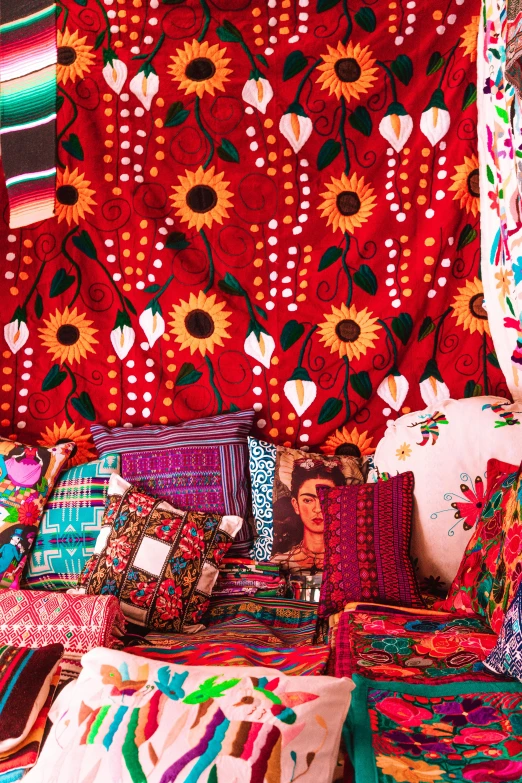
(160, 562)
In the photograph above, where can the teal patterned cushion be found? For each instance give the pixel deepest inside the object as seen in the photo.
(262, 458)
(70, 525)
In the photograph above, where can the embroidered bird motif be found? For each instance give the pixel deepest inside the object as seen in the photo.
(507, 417)
(430, 428)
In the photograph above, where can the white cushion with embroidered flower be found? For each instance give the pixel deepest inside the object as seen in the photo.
(447, 448)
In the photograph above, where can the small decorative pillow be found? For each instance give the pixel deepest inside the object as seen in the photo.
(286, 508)
(367, 542)
(162, 563)
(199, 464)
(128, 719)
(27, 476)
(25, 680)
(70, 525)
(447, 448)
(506, 658)
(472, 589)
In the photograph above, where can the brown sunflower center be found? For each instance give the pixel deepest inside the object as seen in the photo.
(473, 183)
(347, 69)
(348, 450)
(348, 330)
(200, 69)
(67, 194)
(348, 203)
(201, 198)
(66, 55)
(68, 334)
(476, 306)
(199, 324)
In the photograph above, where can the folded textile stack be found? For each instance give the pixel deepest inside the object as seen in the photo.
(80, 622)
(242, 576)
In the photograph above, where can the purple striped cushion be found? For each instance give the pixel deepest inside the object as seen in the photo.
(200, 464)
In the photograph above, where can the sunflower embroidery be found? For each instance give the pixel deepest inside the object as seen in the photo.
(348, 203)
(74, 57)
(73, 196)
(468, 308)
(201, 197)
(348, 331)
(347, 71)
(200, 324)
(60, 434)
(466, 185)
(68, 336)
(351, 444)
(469, 38)
(200, 68)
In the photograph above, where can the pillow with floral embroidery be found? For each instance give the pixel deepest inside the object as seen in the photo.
(160, 562)
(480, 583)
(27, 476)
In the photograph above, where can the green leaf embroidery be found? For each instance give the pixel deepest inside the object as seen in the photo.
(38, 306)
(328, 153)
(361, 384)
(176, 241)
(228, 152)
(325, 5)
(73, 147)
(361, 121)
(402, 67)
(60, 283)
(187, 375)
(330, 410)
(329, 257)
(85, 244)
(83, 404)
(292, 332)
(365, 279)
(470, 96)
(426, 328)
(176, 115)
(366, 19)
(54, 378)
(502, 113)
(403, 327)
(294, 64)
(473, 389)
(467, 235)
(436, 61)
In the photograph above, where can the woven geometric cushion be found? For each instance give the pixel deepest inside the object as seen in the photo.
(25, 679)
(472, 589)
(162, 563)
(367, 541)
(506, 658)
(129, 719)
(27, 476)
(447, 448)
(199, 464)
(286, 508)
(70, 525)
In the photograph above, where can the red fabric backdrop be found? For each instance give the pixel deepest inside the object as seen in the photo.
(234, 227)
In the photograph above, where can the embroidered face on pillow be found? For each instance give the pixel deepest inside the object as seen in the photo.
(286, 506)
(27, 476)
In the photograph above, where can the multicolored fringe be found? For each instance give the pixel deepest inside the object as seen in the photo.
(28, 57)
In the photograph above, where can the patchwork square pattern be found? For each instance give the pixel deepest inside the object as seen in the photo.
(161, 562)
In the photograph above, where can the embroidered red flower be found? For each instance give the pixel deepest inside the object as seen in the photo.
(513, 546)
(192, 542)
(169, 601)
(118, 552)
(470, 509)
(143, 593)
(140, 504)
(28, 513)
(439, 646)
(403, 712)
(167, 529)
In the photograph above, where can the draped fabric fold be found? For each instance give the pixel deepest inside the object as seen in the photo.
(28, 56)
(500, 155)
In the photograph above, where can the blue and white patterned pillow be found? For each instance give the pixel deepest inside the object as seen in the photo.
(262, 461)
(70, 525)
(506, 658)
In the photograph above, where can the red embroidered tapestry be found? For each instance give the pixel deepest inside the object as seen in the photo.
(270, 205)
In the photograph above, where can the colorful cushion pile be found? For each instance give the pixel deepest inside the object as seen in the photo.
(242, 576)
(447, 448)
(161, 562)
(27, 476)
(198, 465)
(70, 525)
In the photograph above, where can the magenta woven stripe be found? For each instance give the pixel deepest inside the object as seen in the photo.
(225, 429)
